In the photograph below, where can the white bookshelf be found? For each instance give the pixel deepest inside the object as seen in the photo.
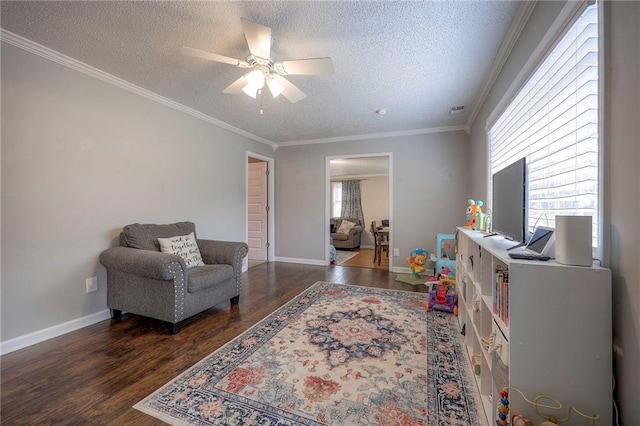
(557, 340)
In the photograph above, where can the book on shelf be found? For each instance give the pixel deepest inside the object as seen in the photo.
(501, 295)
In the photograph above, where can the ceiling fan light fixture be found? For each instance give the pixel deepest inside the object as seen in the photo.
(250, 91)
(262, 68)
(255, 82)
(275, 88)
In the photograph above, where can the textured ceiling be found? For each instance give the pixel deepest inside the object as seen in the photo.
(414, 59)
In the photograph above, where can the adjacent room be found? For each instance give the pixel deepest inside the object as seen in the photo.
(359, 194)
(320, 212)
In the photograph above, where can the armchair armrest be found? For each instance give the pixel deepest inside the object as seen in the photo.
(223, 252)
(143, 263)
(355, 230)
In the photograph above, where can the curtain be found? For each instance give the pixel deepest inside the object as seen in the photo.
(352, 200)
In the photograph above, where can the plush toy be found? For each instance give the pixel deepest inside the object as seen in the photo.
(474, 216)
(417, 260)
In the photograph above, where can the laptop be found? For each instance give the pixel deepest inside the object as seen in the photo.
(542, 241)
(539, 246)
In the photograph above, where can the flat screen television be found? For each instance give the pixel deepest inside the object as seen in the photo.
(510, 201)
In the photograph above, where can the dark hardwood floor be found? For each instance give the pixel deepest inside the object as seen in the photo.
(95, 375)
(364, 259)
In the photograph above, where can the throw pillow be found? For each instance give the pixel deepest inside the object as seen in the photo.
(184, 246)
(345, 227)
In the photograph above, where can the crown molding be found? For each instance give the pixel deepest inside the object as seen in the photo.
(377, 135)
(513, 34)
(54, 56)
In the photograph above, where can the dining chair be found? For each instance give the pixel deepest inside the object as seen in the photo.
(374, 234)
(382, 244)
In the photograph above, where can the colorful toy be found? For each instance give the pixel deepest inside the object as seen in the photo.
(446, 254)
(502, 412)
(445, 272)
(442, 296)
(474, 218)
(417, 260)
(520, 420)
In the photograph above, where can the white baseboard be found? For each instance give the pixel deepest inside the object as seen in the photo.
(51, 332)
(303, 261)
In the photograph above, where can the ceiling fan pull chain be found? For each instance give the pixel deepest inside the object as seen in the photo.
(260, 93)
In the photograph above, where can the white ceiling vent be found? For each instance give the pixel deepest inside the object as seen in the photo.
(456, 109)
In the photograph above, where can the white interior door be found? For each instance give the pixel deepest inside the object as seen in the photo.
(257, 209)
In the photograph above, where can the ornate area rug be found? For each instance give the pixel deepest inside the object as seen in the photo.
(338, 355)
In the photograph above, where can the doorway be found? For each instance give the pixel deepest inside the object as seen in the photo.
(374, 172)
(259, 211)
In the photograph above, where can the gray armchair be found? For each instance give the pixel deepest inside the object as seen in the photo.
(145, 281)
(348, 240)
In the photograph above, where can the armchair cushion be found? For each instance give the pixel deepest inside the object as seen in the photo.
(145, 236)
(184, 246)
(207, 276)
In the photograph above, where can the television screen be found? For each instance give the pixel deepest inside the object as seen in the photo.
(510, 201)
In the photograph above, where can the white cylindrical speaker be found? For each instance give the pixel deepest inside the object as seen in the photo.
(573, 240)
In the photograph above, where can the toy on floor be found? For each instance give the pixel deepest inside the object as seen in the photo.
(503, 408)
(332, 254)
(417, 260)
(442, 295)
(520, 420)
(446, 253)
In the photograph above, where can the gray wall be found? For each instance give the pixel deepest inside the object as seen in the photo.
(429, 175)
(622, 193)
(624, 200)
(82, 158)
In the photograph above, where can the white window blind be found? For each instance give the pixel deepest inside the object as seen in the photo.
(553, 122)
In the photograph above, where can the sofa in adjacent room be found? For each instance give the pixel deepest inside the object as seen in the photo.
(346, 232)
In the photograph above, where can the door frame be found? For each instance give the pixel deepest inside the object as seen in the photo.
(327, 199)
(271, 250)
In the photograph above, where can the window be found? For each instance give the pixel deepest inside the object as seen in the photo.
(336, 199)
(553, 122)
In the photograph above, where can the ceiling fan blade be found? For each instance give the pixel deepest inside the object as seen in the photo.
(236, 87)
(291, 92)
(258, 38)
(213, 57)
(315, 66)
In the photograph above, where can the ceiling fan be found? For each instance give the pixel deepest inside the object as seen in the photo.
(263, 69)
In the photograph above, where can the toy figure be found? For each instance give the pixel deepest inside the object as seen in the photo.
(474, 217)
(417, 260)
